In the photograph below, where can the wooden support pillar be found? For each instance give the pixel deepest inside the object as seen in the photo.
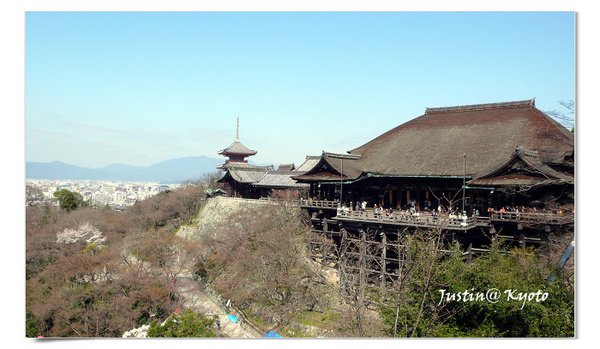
(342, 262)
(470, 253)
(522, 240)
(324, 249)
(363, 264)
(400, 253)
(383, 259)
(546, 241)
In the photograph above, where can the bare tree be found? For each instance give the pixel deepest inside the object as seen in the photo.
(566, 116)
(259, 261)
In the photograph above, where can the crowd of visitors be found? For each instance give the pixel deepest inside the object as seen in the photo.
(413, 209)
(517, 212)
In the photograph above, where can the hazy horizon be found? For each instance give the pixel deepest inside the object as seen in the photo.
(121, 163)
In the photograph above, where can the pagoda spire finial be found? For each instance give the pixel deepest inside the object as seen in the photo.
(237, 130)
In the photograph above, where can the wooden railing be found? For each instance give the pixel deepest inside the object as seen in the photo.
(427, 219)
(318, 203)
(423, 219)
(533, 217)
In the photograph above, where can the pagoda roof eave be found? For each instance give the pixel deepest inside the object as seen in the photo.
(237, 148)
(226, 153)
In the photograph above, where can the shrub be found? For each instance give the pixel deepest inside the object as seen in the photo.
(186, 324)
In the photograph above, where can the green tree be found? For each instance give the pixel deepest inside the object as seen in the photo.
(521, 270)
(69, 200)
(31, 327)
(186, 324)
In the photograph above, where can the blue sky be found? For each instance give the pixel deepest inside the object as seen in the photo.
(139, 88)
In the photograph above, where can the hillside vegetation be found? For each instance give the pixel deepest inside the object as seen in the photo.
(99, 272)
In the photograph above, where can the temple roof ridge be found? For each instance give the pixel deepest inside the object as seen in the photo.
(485, 106)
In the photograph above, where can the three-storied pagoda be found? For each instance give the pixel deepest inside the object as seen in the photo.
(241, 179)
(236, 153)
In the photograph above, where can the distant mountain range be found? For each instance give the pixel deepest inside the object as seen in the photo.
(169, 171)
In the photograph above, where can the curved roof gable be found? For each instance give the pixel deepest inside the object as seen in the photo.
(331, 166)
(524, 167)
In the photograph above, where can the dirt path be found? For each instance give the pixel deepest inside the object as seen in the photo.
(197, 300)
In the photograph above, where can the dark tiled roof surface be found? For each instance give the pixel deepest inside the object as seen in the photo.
(433, 144)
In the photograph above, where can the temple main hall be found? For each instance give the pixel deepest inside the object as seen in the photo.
(472, 173)
(470, 158)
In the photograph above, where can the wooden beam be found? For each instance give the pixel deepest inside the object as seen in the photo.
(383, 258)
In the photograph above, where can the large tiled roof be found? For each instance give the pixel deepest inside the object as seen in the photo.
(433, 144)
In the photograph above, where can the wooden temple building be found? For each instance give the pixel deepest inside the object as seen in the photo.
(475, 173)
(244, 180)
(502, 154)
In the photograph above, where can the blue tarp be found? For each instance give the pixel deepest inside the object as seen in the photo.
(272, 334)
(232, 318)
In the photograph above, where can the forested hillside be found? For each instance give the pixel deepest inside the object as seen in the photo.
(99, 272)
